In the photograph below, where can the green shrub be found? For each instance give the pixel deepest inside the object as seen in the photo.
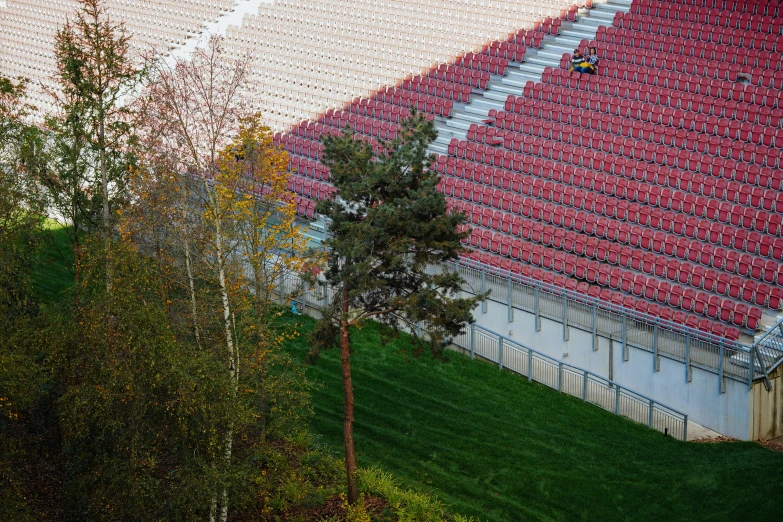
(407, 505)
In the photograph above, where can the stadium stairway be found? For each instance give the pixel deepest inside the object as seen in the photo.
(535, 61)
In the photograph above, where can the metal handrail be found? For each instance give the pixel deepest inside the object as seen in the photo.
(640, 316)
(508, 342)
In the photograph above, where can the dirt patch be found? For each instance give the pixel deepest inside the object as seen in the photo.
(719, 438)
(774, 445)
(334, 508)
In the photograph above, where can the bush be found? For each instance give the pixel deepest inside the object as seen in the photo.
(408, 505)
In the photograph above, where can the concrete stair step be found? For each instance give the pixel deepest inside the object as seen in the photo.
(591, 22)
(471, 118)
(459, 124)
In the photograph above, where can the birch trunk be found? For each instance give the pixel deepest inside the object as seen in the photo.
(192, 293)
(233, 370)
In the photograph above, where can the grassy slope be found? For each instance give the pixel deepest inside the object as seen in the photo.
(492, 445)
(52, 276)
(496, 447)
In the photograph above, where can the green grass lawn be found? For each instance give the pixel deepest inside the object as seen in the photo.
(52, 275)
(493, 446)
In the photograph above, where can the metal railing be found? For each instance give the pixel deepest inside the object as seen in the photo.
(568, 379)
(726, 358)
(536, 366)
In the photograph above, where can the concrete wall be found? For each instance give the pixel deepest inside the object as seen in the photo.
(549, 340)
(728, 413)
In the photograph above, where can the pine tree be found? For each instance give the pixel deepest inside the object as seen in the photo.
(388, 233)
(95, 72)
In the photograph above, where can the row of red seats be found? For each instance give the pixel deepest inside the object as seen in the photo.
(624, 136)
(504, 190)
(670, 198)
(736, 215)
(756, 97)
(750, 154)
(532, 38)
(592, 160)
(461, 75)
(737, 128)
(420, 102)
(707, 33)
(511, 51)
(661, 79)
(696, 197)
(768, 7)
(724, 119)
(378, 110)
(483, 62)
(362, 124)
(610, 54)
(305, 207)
(685, 47)
(605, 296)
(585, 212)
(603, 274)
(717, 17)
(697, 184)
(313, 130)
(451, 89)
(675, 264)
(310, 188)
(308, 167)
(711, 280)
(312, 148)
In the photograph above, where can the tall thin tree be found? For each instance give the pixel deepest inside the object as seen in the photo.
(389, 232)
(95, 71)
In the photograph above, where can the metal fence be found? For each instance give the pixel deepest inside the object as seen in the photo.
(727, 359)
(574, 381)
(535, 365)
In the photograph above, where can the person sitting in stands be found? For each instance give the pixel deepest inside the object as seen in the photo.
(590, 63)
(576, 60)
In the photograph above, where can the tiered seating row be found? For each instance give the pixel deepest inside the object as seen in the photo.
(589, 219)
(517, 131)
(619, 217)
(342, 49)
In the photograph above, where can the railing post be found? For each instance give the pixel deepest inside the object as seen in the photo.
(326, 296)
(565, 318)
(688, 373)
(483, 289)
(751, 364)
(685, 429)
(617, 399)
(500, 352)
(593, 327)
(559, 376)
(584, 386)
(537, 308)
(720, 369)
(472, 342)
(656, 359)
(625, 341)
(529, 364)
(510, 302)
(650, 417)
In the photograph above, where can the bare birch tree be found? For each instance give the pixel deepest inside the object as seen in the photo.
(200, 103)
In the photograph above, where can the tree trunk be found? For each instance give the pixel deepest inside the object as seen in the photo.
(192, 293)
(345, 362)
(105, 193)
(233, 370)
